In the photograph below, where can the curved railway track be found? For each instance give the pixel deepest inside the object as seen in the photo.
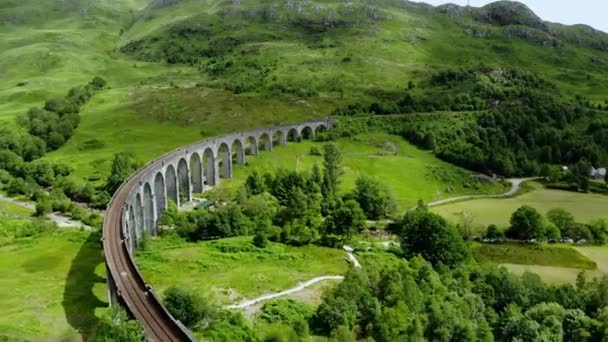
(126, 284)
(132, 291)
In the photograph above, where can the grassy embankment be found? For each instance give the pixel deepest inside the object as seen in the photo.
(554, 263)
(233, 269)
(52, 283)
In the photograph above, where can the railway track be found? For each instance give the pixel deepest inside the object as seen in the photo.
(132, 291)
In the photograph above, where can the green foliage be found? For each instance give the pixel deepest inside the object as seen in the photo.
(494, 234)
(526, 224)
(429, 235)
(187, 306)
(123, 165)
(230, 326)
(332, 167)
(117, 326)
(260, 239)
(346, 220)
(375, 199)
(287, 311)
(43, 206)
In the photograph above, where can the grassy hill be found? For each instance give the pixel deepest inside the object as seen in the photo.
(178, 68)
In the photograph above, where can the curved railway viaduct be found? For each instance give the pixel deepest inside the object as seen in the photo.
(175, 176)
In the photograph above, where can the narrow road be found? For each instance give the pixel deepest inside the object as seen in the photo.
(60, 220)
(300, 287)
(515, 185)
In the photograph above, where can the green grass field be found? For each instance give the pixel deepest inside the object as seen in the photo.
(411, 173)
(554, 263)
(584, 207)
(542, 255)
(8, 209)
(233, 269)
(51, 286)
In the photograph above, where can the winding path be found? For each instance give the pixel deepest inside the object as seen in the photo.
(298, 288)
(515, 185)
(60, 220)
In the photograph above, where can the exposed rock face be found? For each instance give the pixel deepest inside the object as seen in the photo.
(503, 13)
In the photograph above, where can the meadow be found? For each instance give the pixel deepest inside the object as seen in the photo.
(483, 212)
(411, 174)
(232, 269)
(52, 285)
(553, 263)
(11, 210)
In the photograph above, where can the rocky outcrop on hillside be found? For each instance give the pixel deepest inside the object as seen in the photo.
(503, 13)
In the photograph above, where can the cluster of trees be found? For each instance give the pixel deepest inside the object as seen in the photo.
(55, 123)
(527, 224)
(523, 121)
(395, 300)
(53, 188)
(291, 207)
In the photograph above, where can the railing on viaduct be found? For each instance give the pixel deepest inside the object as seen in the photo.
(139, 202)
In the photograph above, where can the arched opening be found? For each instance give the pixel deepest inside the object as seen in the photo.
(171, 180)
(196, 173)
(264, 143)
(320, 129)
(307, 133)
(209, 167)
(131, 228)
(225, 161)
(251, 146)
(293, 135)
(159, 194)
(238, 152)
(278, 138)
(139, 218)
(183, 175)
(149, 210)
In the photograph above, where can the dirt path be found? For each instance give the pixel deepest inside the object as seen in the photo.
(515, 185)
(300, 287)
(60, 220)
(248, 303)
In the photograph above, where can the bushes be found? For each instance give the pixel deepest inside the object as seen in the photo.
(56, 122)
(187, 306)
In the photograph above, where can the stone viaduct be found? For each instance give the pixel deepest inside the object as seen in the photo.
(175, 176)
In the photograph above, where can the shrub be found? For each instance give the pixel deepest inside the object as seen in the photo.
(187, 306)
(43, 206)
(314, 151)
(260, 239)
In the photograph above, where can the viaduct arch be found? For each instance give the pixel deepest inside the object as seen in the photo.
(139, 202)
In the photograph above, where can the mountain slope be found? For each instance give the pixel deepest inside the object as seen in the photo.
(184, 66)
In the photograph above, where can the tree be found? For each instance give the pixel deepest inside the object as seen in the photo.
(552, 233)
(43, 206)
(115, 326)
(346, 220)
(260, 239)
(374, 198)
(98, 83)
(581, 171)
(493, 233)
(123, 166)
(332, 163)
(526, 224)
(563, 220)
(429, 235)
(187, 306)
(254, 183)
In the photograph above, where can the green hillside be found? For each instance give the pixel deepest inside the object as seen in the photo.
(179, 68)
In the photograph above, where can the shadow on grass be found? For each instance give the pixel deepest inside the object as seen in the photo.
(79, 300)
